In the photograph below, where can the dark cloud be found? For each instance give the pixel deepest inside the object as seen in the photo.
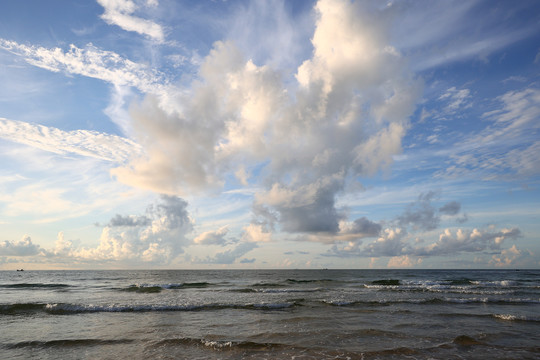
(308, 208)
(365, 227)
(120, 220)
(421, 215)
(296, 252)
(320, 216)
(451, 208)
(173, 212)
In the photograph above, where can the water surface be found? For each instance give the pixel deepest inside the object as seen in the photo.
(270, 314)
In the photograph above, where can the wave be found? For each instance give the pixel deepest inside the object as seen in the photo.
(267, 284)
(143, 289)
(34, 286)
(275, 291)
(430, 301)
(12, 309)
(309, 281)
(508, 317)
(454, 286)
(67, 309)
(386, 282)
(66, 343)
(191, 285)
(153, 288)
(448, 289)
(275, 350)
(222, 345)
(465, 340)
(503, 317)
(461, 281)
(257, 350)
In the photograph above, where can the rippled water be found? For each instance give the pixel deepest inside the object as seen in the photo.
(270, 314)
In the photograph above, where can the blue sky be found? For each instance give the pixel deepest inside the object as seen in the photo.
(269, 134)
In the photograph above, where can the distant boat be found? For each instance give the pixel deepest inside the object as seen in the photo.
(20, 269)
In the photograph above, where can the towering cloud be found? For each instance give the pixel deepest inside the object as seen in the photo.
(343, 116)
(157, 237)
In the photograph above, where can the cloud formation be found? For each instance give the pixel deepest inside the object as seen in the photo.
(511, 256)
(23, 247)
(81, 142)
(129, 220)
(400, 241)
(397, 242)
(240, 114)
(355, 88)
(507, 146)
(120, 13)
(403, 261)
(298, 131)
(230, 256)
(468, 241)
(447, 32)
(420, 214)
(94, 63)
(157, 237)
(216, 237)
(450, 208)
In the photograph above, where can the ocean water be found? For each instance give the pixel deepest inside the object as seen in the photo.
(270, 314)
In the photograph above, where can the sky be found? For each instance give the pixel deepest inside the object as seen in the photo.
(161, 134)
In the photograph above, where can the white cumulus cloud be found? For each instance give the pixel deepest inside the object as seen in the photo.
(216, 237)
(23, 247)
(159, 239)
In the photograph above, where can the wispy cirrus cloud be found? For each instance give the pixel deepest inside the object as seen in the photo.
(121, 13)
(80, 142)
(505, 147)
(91, 62)
(447, 32)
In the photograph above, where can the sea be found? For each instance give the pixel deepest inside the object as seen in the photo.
(270, 314)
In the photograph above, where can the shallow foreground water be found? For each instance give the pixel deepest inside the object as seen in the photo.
(270, 314)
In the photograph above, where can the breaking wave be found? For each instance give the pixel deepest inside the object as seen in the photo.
(152, 288)
(67, 309)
